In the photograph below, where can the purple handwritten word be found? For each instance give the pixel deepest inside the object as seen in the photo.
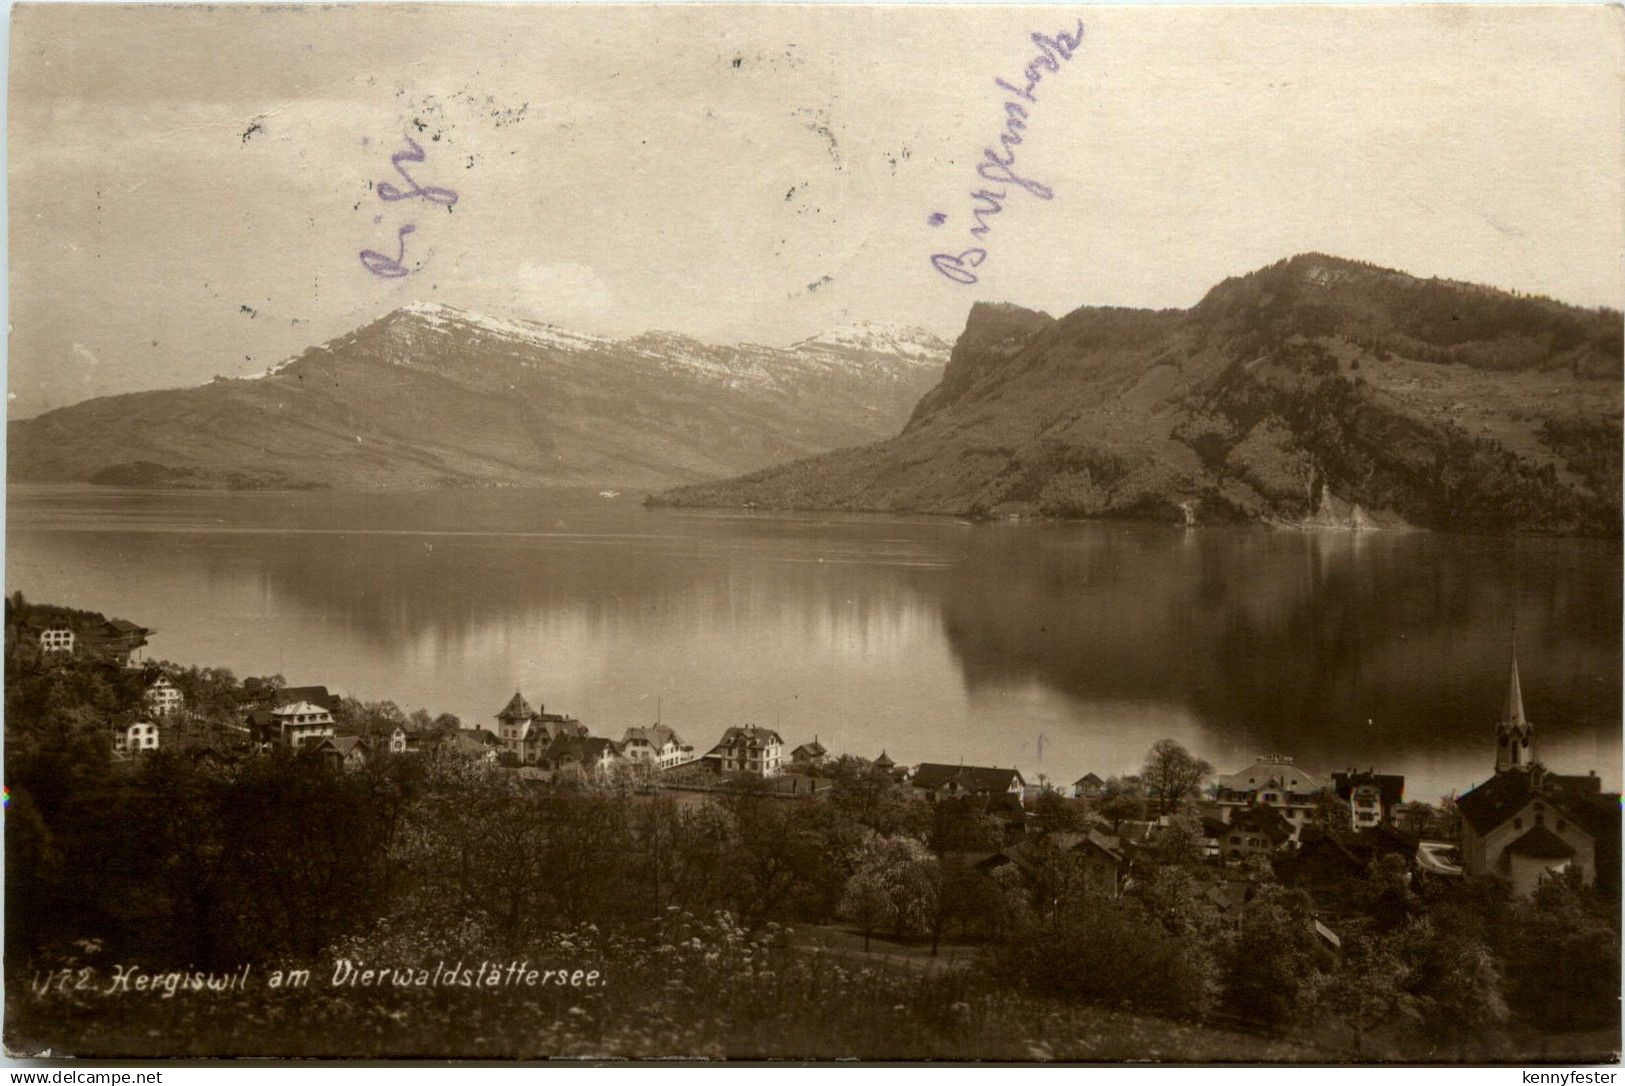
(998, 168)
(385, 266)
(394, 267)
(387, 191)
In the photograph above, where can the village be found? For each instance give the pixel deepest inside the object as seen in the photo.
(1521, 824)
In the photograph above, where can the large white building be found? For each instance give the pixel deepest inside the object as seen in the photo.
(527, 733)
(656, 746)
(1271, 782)
(754, 751)
(301, 722)
(1526, 821)
(164, 698)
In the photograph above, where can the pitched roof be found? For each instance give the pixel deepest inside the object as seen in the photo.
(815, 749)
(750, 735)
(931, 776)
(1088, 780)
(1505, 794)
(516, 709)
(470, 741)
(579, 748)
(1390, 786)
(885, 761)
(298, 708)
(317, 695)
(1271, 773)
(1541, 843)
(656, 735)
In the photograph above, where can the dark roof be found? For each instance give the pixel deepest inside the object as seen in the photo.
(656, 735)
(125, 626)
(317, 695)
(885, 761)
(516, 709)
(750, 735)
(578, 748)
(1089, 780)
(1505, 794)
(1391, 786)
(1355, 848)
(970, 778)
(470, 741)
(815, 749)
(1541, 843)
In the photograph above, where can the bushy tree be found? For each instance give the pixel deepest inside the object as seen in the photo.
(1173, 775)
(894, 886)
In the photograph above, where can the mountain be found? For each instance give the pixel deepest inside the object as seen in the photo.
(431, 396)
(1317, 391)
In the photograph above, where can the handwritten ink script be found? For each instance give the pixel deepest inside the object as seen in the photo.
(999, 167)
(394, 267)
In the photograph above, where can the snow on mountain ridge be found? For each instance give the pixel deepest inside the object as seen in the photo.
(869, 337)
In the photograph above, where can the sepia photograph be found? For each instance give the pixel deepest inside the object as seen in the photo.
(896, 533)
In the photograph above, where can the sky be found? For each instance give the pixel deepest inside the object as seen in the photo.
(191, 189)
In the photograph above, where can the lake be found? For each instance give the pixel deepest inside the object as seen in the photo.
(1057, 648)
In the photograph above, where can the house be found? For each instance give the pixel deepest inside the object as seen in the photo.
(117, 639)
(1330, 859)
(939, 781)
(593, 757)
(475, 743)
(300, 723)
(1088, 786)
(315, 695)
(132, 738)
(1526, 821)
(1372, 797)
(526, 733)
(1270, 782)
(1255, 831)
(56, 639)
(1099, 859)
(657, 747)
(809, 754)
(163, 697)
(755, 751)
(341, 753)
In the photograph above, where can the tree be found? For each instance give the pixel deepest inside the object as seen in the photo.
(1330, 814)
(1173, 775)
(1273, 964)
(1370, 987)
(895, 885)
(1122, 800)
(1457, 985)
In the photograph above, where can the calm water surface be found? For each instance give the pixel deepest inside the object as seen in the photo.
(1057, 648)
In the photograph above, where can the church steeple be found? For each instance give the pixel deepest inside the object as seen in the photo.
(1514, 735)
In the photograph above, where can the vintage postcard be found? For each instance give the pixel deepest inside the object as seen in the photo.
(818, 532)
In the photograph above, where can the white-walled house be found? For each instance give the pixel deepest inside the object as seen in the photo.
(135, 737)
(56, 639)
(656, 746)
(757, 752)
(1271, 782)
(300, 723)
(164, 698)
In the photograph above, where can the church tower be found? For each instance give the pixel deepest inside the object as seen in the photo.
(1514, 735)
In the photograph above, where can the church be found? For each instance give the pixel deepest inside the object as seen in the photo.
(1526, 821)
